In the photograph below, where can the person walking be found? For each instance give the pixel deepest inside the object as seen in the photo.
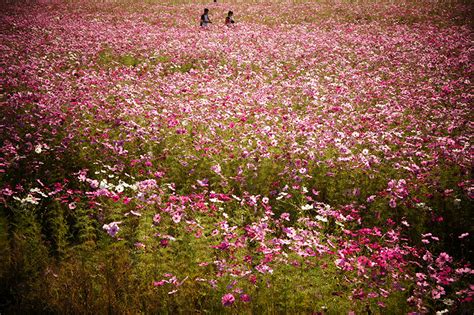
(229, 20)
(205, 18)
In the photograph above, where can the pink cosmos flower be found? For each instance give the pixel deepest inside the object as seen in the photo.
(463, 235)
(228, 299)
(392, 203)
(159, 283)
(264, 268)
(156, 218)
(159, 174)
(437, 292)
(7, 192)
(245, 298)
(203, 183)
(428, 257)
(223, 245)
(216, 168)
(442, 259)
(176, 217)
(464, 270)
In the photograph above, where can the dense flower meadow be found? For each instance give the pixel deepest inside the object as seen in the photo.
(315, 157)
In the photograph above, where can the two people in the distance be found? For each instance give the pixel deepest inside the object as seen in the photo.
(229, 20)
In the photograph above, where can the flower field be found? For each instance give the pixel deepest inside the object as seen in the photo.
(313, 158)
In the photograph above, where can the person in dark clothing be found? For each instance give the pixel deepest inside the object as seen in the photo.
(205, 18)
(229, 20)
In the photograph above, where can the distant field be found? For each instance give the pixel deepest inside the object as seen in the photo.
(314, 158)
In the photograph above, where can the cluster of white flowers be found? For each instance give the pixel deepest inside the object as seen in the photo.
(32, 196)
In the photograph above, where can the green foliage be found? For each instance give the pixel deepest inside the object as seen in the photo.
(26, 258)
(84, 228)
(56, 228)
(107, 57)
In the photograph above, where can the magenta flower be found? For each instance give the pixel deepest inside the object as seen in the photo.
(245, 298)
(159, 283)
(228, 299)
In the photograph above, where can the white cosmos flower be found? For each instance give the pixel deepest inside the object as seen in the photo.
(103, 184)
(119, 188)
(321, 218)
